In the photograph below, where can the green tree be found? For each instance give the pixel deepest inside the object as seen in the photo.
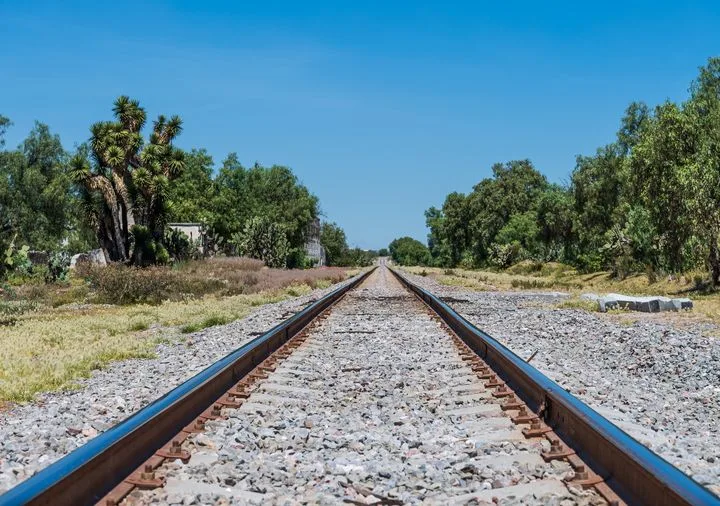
(35, 189)
(190, 194)
(658, 165)
(357, 257)
(5, 123)
(514, 189)
(701, 176)
(409, 251)
(333, 239)
(597, 185)
(126, 181)
(438, 242)
(633, 121)
(555, 216)
(517, 240)
(274, 192)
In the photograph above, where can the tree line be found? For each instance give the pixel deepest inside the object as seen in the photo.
(119, 190)
(649, 201)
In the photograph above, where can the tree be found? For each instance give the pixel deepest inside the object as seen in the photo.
(514, 189)
(658, 164)
(635, 119)
(274, 192)
(5, 123)
(190, 194)
(701, 177)
(438, 243)
(517, 240)
(35, 189)
(333, 239)
(125, 180)
(409, 251)
(357, 257)
(555, 216)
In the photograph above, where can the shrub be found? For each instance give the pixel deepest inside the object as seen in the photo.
(11, 310)
(265, 240)
(15, 260)
(298, 259)
(504, 255)
(356, 257)
(119, 284)
(58, 267)
(179, 246)
(147, 250)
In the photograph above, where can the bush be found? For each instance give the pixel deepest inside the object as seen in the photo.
(11, 310)
(504, 255)
(119, 284)
(356, 257)
(298, 259)
(179, 246)
(15, 260)
(58, 267)
(146, 250)
(264, 240)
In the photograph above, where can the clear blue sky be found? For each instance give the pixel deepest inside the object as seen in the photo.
(381, 109)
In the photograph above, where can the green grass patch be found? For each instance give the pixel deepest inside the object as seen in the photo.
(210, 321)
(138, 326)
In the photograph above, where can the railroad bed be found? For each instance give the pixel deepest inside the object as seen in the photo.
(373, 394)
(375, 405)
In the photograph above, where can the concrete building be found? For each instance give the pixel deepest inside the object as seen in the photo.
(313, 247)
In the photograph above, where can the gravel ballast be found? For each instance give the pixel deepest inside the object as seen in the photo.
(657, 381)
(34, 435)
(375, 407)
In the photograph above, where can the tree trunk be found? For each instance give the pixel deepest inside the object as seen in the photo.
(714, 261)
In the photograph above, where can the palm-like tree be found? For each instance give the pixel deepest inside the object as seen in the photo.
(125, 180)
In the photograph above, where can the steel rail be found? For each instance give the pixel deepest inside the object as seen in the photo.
(635, 473)
(88, 473)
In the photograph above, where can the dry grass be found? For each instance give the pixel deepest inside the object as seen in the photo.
(118, 284)
(554, 276)
(46, 348)
(558, 277)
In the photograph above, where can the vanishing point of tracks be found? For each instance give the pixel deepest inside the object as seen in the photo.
(376, 394)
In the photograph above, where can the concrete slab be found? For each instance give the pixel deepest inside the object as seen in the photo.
(652, 304)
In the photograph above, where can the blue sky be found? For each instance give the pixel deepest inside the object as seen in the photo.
(380, 108)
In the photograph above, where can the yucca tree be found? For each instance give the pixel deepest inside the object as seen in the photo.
(124, 180)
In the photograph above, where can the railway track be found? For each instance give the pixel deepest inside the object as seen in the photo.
(377, 394)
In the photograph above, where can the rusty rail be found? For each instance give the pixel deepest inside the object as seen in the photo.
(88, 473)
(631, 470)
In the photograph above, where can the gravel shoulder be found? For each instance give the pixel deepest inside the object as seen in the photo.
(658, 381)
(34, 435)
